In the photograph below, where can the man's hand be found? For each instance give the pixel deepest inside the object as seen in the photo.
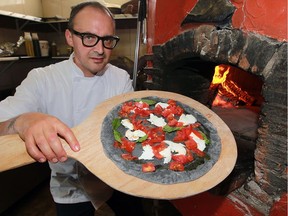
(42, 133)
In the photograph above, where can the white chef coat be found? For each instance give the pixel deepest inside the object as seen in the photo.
(62, 90)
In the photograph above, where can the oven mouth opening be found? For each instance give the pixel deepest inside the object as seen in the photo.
(233, 94)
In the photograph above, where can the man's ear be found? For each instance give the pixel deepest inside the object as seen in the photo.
(68, 37)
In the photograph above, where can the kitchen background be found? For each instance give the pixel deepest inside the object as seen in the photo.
(61, 8)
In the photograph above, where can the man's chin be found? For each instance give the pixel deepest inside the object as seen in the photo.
(97, 71)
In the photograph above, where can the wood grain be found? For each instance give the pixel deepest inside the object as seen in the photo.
(13, 153)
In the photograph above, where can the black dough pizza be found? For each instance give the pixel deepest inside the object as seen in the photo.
(160, 140)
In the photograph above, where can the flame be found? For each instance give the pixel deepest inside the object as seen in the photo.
(219, 77)
(220, 74)
(227, 89)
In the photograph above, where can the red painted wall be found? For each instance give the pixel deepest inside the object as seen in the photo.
(266, 17)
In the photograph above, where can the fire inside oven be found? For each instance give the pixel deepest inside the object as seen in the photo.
(236, 87)
(214, 84)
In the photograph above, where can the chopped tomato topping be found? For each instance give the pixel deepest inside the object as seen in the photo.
(199, 152)
(128, 157)
(182, 135)
(176, 166)
(155, 135)
(166, 112)
(158, 148)
(170, 117)
(141, 112)
(176, 110)
(197, 133)
(192, 145)
(117, 144)
(183, 159)
(171, 102)
(173, 122)
(126, 109)
(189, 156)
(179, 124)
(127, 145)
(141, 105)
(157, 110)
(148, 167)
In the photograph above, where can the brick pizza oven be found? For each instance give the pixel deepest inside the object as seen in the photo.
(186, 40)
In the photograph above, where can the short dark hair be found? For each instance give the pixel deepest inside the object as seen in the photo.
(77, 8)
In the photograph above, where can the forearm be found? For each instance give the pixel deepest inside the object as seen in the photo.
(8, 127)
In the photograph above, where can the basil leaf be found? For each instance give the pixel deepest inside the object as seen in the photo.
(149, 102)
(116, 123)
(170, 129)
(117, 136)
(207, 141)
(141, 139)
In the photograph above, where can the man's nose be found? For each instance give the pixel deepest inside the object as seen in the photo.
(99, 48)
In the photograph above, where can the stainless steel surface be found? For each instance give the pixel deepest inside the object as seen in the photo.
(20, 16)
(141, 29)
(136, 55)
(9, 58)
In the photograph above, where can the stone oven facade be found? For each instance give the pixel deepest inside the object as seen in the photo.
(216, 33)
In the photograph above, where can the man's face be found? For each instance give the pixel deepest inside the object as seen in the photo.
(91, 60)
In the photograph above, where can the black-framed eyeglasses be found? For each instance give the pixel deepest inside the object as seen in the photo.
(90, 40)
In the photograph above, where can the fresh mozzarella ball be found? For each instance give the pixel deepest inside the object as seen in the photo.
(187, 119)
(158, 121)
(163, 105)
(134, 135)
(166, 153)
(147, 153)
(177, 148)
(127, 124)
(200, 142)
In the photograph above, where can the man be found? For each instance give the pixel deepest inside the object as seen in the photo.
(55, 98)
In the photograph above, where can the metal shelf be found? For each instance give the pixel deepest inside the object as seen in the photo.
(22, 22)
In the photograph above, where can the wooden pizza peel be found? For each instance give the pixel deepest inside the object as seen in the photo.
(13, 153)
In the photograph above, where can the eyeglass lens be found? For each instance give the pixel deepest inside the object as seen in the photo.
(92, 40)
